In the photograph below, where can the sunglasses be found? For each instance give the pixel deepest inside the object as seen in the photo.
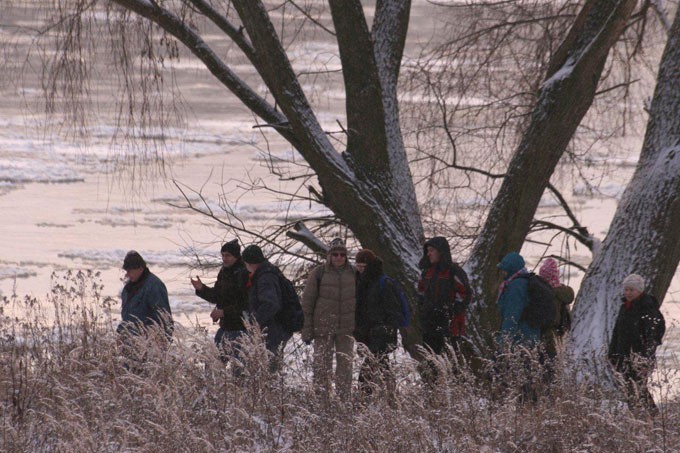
(336, 255)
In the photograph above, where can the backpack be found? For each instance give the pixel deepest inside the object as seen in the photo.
(405, 309)
(541, 311)
(291, 315)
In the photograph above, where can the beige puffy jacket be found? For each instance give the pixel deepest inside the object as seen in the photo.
(328, 301)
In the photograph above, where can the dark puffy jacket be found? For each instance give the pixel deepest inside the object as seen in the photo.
(228, 294)
(145, 303)
(378, 311)
(264, 303)
(444, 292)
(638, 330)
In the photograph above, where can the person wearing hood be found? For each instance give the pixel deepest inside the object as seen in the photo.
(516, 339)
(328, 303)
(229, 297)
(378, 317)
(265, 301)
(564, 295)
(638, 331)
(444, 295)
(513, 297)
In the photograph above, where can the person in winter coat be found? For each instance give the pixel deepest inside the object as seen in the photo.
(145, 311)
(145, 300)
(328, 303)
(564, 295)
(513, 297)
(638, 331)
(378, 317)
(229, 297)
(444, 295)
(265, 300)
(516, 337)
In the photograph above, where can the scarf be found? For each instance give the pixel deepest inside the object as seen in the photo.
(507, 281)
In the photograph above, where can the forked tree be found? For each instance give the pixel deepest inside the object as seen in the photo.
(367, 183)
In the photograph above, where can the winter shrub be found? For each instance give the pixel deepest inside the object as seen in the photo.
(66, 387)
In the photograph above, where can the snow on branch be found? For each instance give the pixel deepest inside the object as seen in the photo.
(303, 234)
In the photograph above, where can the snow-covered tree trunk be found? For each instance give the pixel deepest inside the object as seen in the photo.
(643, 237)
(563, 99)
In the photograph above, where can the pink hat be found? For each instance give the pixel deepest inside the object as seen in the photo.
(550, 272)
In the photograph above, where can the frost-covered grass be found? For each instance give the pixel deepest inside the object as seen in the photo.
(65, 387)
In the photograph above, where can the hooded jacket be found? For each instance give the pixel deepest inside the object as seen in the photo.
(512, 299)
(444, 294)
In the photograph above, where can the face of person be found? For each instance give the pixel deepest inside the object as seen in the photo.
(338, 258)
(631, 294)
(228, 259)
(134, 274)
(433, 255)
(251, 267)
(360, 267)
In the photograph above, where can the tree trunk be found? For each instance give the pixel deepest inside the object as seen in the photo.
(563, 100)
(643, 236)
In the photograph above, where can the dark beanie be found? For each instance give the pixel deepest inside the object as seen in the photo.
(365, 256)
(133, 260)
(232, 247)
(252, 255)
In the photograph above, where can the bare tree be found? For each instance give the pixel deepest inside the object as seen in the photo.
(643, 235)
(366, 178)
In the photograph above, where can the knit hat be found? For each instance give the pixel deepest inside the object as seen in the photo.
(365, 256)
(550, 272)
(133, 260)
(252, 254)
(232, 247)
(337, 244)
(634, 281)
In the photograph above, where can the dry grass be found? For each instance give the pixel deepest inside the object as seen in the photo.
(64, 387)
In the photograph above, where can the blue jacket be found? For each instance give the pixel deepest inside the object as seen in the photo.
(511, 304)
(145, 303)
(265, 300)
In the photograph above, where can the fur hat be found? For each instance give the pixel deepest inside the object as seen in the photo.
(337, 244)
(133, 260)
(232, 247)
(634, 281)
(550, 272)
(252, 254)
(365, 256)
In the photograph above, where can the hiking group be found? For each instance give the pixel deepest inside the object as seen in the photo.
(343, 303)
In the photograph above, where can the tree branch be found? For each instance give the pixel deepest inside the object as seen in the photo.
(302, 234)
(190, 38)
(366, 141)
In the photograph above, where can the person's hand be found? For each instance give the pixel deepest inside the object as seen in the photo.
(197, 283)
(217, 314)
